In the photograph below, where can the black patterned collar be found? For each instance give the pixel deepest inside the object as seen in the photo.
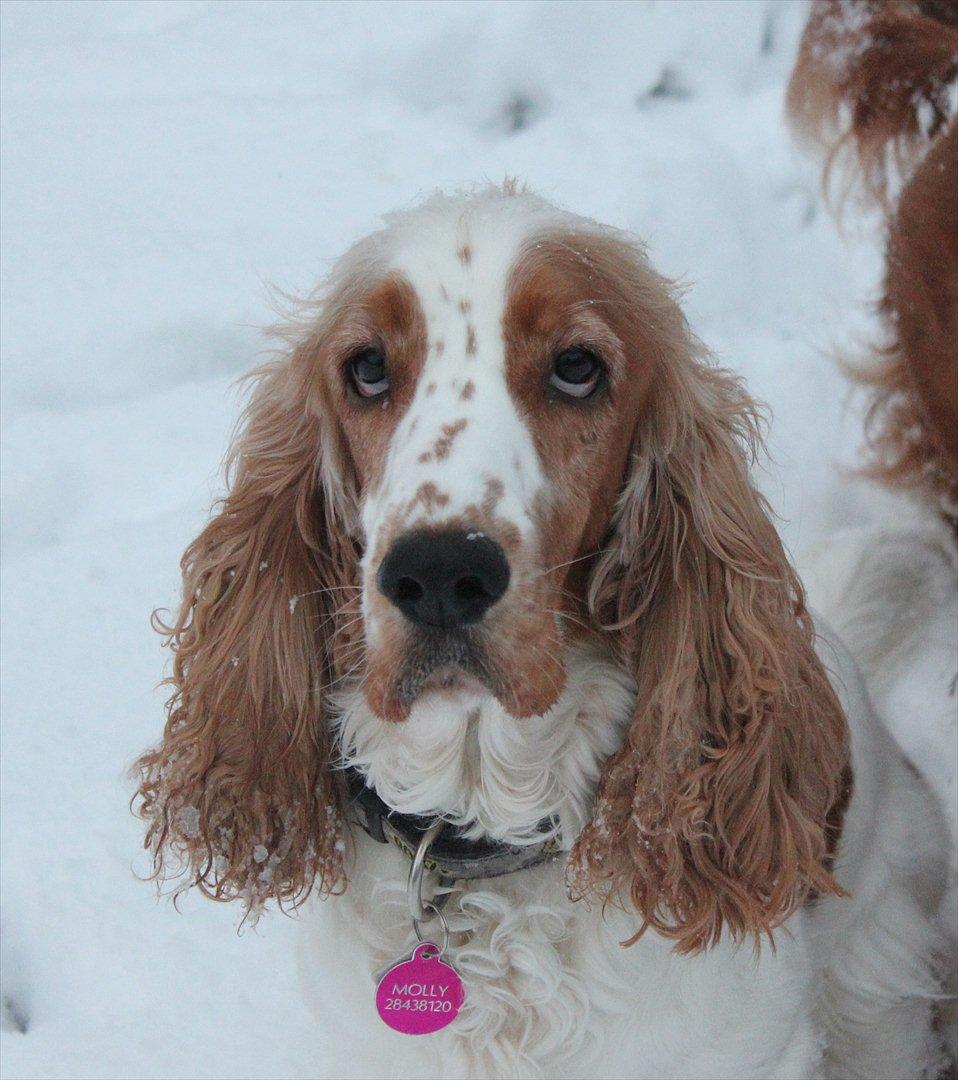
(451, 855)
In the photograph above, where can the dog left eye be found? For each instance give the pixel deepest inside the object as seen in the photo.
(367, 369)
(576, 372)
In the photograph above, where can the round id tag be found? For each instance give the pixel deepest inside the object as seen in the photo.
(420, 995)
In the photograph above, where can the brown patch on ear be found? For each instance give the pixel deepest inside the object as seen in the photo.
(467, 391)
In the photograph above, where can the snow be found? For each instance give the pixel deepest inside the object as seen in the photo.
(162, 163)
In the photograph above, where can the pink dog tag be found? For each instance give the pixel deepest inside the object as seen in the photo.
(420, 995)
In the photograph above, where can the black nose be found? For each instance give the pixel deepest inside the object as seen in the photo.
(444, 579)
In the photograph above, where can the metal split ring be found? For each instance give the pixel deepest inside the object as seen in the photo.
(424, 910)
(428, 907)
(417, 909)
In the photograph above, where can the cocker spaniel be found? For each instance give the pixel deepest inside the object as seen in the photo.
(490, 554)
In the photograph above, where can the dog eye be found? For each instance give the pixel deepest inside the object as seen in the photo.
(576, 372)
(367, 369)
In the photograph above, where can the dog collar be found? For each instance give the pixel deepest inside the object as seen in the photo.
(451, 855)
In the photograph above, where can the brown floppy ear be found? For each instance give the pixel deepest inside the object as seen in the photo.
(239, 795)
(713, 813)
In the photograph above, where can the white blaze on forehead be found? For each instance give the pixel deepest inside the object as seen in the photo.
(462, 430)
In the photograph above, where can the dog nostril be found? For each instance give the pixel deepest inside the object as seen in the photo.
(407, 589)
(470, 588)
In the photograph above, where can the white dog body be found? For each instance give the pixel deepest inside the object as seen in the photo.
(550, 991)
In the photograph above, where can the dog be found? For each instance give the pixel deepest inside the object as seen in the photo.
(491, 565)
(874, 86)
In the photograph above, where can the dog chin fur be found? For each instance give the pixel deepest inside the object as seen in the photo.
(461, 755)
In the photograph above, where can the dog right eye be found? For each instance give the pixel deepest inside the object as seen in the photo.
(367, 370)
(576, 372)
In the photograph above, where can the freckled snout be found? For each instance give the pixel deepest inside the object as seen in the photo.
(443, 579)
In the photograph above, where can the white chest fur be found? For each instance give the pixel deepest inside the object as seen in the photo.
(469, 760)
(549, 989)
(551, 992)
(848, 990)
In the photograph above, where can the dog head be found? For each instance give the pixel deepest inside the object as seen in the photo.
(493, 435)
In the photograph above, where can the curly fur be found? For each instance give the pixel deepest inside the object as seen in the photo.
(874, 86)
(239, 795)
(713, 813)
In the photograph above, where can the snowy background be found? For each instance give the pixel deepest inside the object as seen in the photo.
(162, 163)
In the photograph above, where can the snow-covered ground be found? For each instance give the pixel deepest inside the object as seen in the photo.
(162, 162)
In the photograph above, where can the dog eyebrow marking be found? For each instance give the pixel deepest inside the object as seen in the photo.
(465, 254)
(470, 340)
(467, 391)
(443, 443)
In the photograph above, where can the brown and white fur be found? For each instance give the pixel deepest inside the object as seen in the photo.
(874, 85)
(749, 862)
